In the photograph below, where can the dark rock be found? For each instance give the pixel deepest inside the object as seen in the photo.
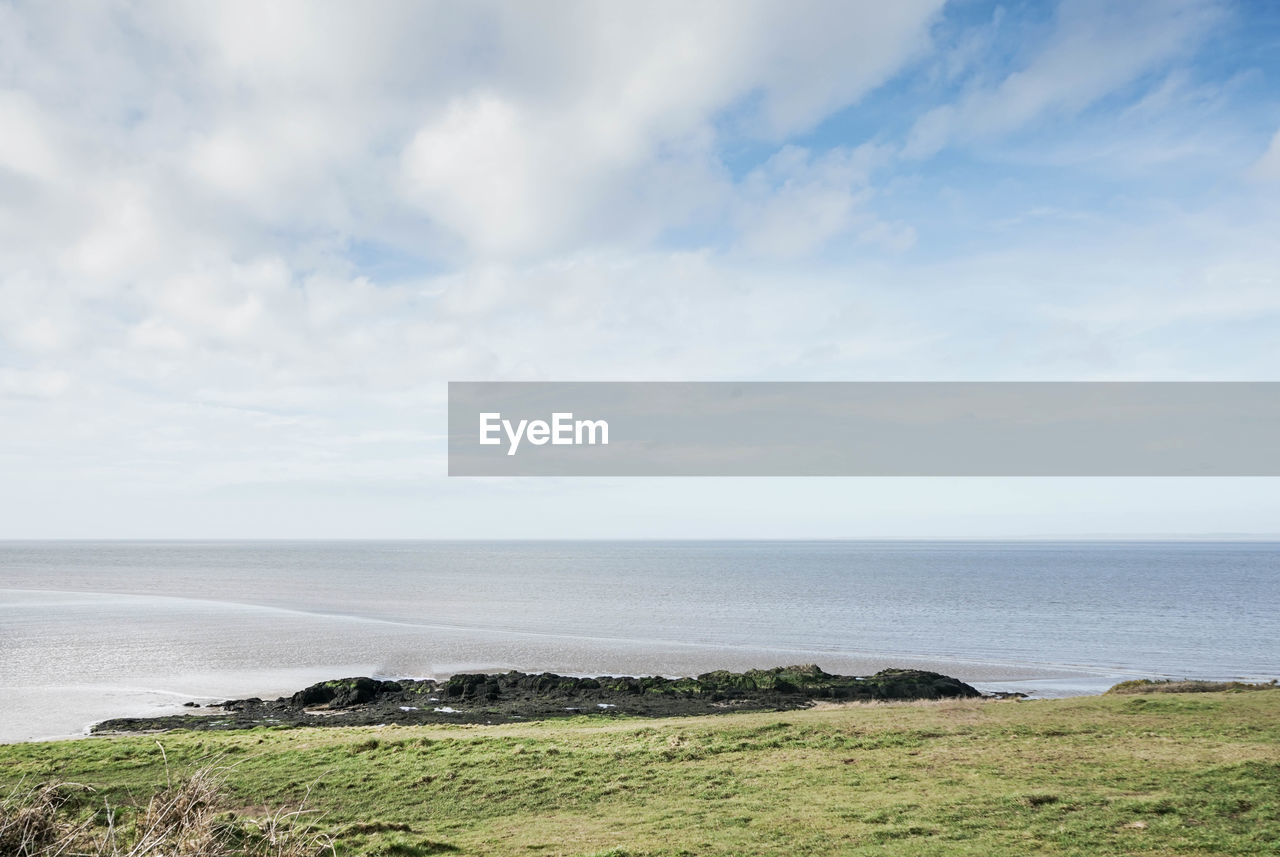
(342, 693)
(514, 696)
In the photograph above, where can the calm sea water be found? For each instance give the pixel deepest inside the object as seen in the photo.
(94, 630)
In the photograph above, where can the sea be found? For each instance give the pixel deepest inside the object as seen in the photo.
(92, 630)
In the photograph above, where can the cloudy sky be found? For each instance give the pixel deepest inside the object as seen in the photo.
(244, 246)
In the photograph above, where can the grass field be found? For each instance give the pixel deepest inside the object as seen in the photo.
(1136, 775)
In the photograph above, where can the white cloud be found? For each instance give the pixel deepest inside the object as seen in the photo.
(1096, 48)
(25, 146)
(568, 140)
(1267, 167)
(489, 174)
(35, 383)
(797, 202)
(234, 237)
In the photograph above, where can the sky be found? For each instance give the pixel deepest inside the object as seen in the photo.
(245, 246)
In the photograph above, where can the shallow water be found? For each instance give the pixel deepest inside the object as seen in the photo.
(94, 630)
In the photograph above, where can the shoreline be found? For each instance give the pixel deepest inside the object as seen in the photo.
(73, 711)
(138, 703)
(1050, 684)
(68, 712)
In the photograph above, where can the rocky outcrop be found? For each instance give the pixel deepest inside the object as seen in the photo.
(512, 696)
(343, 693)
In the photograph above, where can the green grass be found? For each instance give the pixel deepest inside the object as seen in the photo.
(1148, 685)
(1135, 775)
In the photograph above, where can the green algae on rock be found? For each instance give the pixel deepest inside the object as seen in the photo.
(515, 696)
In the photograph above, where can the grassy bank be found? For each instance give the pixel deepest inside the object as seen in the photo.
(1147, 774)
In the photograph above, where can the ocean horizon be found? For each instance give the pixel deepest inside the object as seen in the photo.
(98, 629)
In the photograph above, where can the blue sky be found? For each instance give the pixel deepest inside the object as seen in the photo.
(243, 247)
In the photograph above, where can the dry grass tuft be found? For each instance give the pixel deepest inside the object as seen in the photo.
(30, 821)
(180, 820)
